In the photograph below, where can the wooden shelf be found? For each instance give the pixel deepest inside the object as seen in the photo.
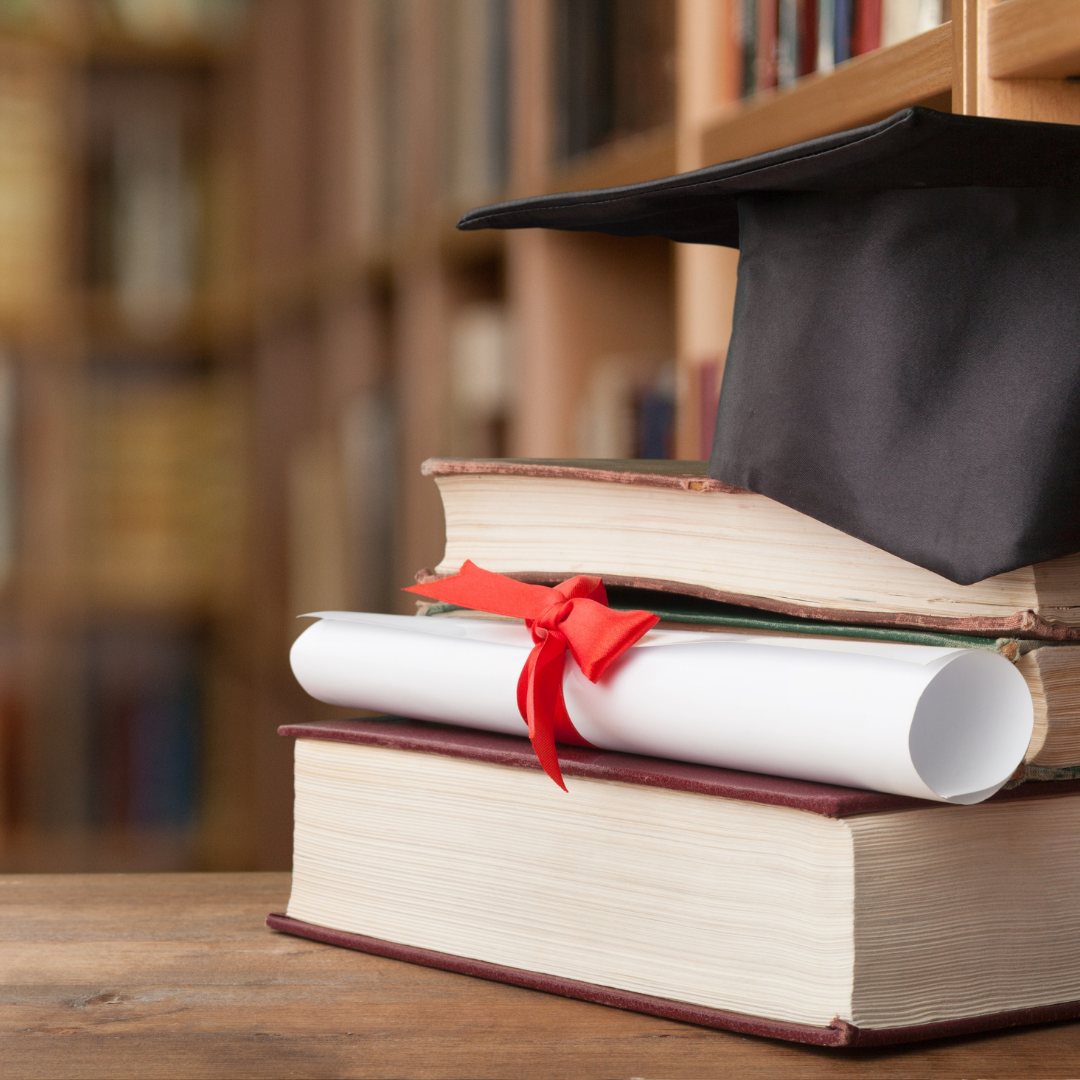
(1034, 39)
(301, 285)
(437, 230)
(629, 160)
(213, 318)
(868, 88)
(83, 34)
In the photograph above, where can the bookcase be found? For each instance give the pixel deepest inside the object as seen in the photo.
(124, 401)
(336, 330)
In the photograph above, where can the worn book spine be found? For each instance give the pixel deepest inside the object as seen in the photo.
(787, 46)
(808, 36)
(748, 33)
(826, 42)
(866, 30)
(843, 16)
(767, 30)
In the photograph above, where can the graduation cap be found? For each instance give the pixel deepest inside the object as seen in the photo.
(905, 356)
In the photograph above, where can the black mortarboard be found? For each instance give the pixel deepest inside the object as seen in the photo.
(905, 358)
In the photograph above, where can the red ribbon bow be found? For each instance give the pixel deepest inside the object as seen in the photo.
(574, 616)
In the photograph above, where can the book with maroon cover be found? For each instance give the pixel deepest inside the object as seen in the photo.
(768, 28)
(760, 905)
(545, 520)
(866, 30)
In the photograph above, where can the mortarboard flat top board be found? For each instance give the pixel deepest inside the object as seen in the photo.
(905, 355)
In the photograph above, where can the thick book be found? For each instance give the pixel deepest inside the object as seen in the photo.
(903, 19)
(773, 907)
(767, 43)
(665, 525)
(866, 29)
(748, 48)
(797, 46)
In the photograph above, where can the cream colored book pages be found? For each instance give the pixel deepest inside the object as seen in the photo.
(944, 724)
(882, 920)
(1053, 677)
(1057, 588)
(743, 544)
(624, 886)
(965, 913)
(903, 19)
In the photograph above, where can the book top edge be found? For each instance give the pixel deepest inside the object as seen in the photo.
(825, 800)
(684, 475)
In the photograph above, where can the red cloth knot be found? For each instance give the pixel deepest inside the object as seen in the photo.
(574, 616)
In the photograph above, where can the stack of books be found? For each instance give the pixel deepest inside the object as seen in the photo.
(829, 798)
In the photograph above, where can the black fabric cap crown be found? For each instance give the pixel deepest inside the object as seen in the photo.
(905, 357)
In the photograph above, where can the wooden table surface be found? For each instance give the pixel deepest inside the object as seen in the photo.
(174, 975)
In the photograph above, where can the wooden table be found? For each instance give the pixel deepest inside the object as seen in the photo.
(174, 975)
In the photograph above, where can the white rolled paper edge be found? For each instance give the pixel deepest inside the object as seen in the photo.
(944, 724)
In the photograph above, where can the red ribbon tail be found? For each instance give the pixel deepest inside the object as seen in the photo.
(540, 700)
(574, 615)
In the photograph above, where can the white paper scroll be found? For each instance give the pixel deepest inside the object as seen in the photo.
(944, 724)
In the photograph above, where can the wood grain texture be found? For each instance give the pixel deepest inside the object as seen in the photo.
(861, 91)
(1046, 29)
(630, 159)
(163, 975)
(1034, 39)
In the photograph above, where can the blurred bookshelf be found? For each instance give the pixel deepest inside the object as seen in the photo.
(235, 316)
(125, 400)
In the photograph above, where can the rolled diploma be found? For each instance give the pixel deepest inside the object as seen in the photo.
(943, 724)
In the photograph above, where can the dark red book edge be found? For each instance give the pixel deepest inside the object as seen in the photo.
(838, 1033)
(824, 799)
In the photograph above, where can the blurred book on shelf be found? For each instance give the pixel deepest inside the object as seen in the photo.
(144, 724)
(476, 53)
(708, 374)
(797, 41)
(783, 40)
(164, 488)
(166, 21)
(32, 179)
(14, 747)
(903, 19)
(9, 491)
(340, 504)
(145, 203)
(614, 70)
(481, 379)
(628, 409)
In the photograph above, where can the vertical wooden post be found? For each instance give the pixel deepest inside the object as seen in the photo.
(975, 93)
(704, 274)
(421, 314)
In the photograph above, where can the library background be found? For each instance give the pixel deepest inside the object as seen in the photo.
(235, 316)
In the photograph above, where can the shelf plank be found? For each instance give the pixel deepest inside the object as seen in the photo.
(1033, 39)
(860, 91)
(629, 160)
